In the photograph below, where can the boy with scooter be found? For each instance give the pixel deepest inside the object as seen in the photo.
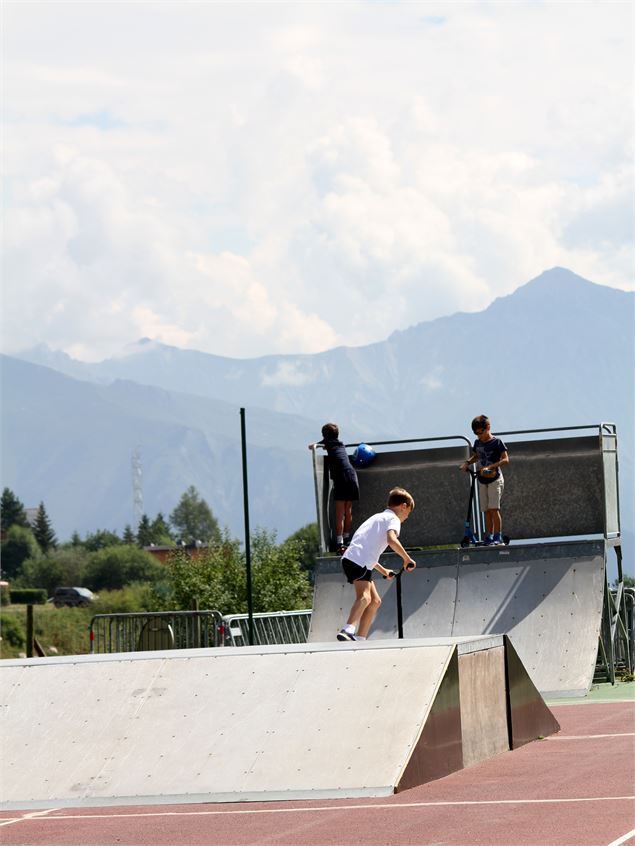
(490, 454)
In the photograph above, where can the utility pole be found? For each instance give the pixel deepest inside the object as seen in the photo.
(250, 609)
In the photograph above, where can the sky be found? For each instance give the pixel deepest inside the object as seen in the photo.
(254, 178)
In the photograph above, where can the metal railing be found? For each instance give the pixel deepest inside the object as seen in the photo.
(617, 641)
(621, 653)
(193, 629)
(155, 630)
(281, 627)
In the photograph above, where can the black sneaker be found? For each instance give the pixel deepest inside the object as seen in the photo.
(342, 635)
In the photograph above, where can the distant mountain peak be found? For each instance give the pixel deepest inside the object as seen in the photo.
(143, 345)
(558, 276)
(556, 286)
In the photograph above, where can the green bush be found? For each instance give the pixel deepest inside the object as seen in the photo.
(115, 567)
(5, 596)
(28, 596)
(63, 566)
(218, 578)
(309, 548)
(19, 545)
(133, 599)
(12, 631)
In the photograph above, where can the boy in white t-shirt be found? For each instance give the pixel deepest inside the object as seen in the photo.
(362, 557)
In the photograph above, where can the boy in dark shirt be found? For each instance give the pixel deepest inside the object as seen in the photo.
(490, 453)
(345, 485)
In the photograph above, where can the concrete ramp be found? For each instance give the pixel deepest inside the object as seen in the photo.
(259, 723)
(546, 597)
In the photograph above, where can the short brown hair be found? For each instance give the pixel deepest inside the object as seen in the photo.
(480, 422)
(400, 496)
(330, 430)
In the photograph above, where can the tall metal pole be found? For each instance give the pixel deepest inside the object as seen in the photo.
(250, 609)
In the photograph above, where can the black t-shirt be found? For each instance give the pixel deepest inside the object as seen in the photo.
(340, 467)
(489, 452)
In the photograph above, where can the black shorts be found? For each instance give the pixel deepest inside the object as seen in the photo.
(346, 490)
(355, 572)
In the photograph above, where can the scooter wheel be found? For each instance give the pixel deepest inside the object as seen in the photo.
(465, 542)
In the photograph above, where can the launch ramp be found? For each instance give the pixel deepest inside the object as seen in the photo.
(259, 723)
(546, 597)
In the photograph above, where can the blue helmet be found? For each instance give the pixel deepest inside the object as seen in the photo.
(363, 455)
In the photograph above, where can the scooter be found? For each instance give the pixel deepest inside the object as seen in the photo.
(469, 538)
(396, 575)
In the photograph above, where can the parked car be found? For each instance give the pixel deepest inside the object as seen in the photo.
(72, 597)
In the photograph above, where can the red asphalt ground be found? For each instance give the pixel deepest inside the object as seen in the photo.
(574, 789)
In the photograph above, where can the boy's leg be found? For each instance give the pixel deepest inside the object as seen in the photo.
(494, 512)
(348, 518)
(495, 520)
(340, 508)
(363, 598)
(369, 614)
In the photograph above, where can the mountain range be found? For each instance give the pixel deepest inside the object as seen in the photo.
(557, 352)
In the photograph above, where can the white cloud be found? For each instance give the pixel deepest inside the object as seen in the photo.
(257, 178)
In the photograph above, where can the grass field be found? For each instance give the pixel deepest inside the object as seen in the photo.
(60, 631)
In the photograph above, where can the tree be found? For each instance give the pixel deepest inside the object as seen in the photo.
(215, 580)
(101, 539)
(193, 520)
(129, 536)
(278, 581)
(309, 542)
(161, 531)
(19, 545)
(64, 566)
(218, 578)
(12, 512)
(156, 533)
(42, 572)
(115, 567)
(144, 532)
(627, 580)
(43, 531)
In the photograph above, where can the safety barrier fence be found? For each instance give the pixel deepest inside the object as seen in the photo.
(193, 629)
(619, 633)
(283, 627)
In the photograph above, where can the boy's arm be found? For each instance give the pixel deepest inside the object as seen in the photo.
(469, 461)
(504, 459)
(395, 544)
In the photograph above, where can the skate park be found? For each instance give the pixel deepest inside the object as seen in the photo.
(488, 634)
(548, 589)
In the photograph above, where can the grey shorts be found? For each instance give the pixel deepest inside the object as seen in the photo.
(490, 495)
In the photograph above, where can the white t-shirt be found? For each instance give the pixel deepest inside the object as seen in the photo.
(371, 539)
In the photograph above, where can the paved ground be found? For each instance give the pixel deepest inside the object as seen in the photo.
(574, 789)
